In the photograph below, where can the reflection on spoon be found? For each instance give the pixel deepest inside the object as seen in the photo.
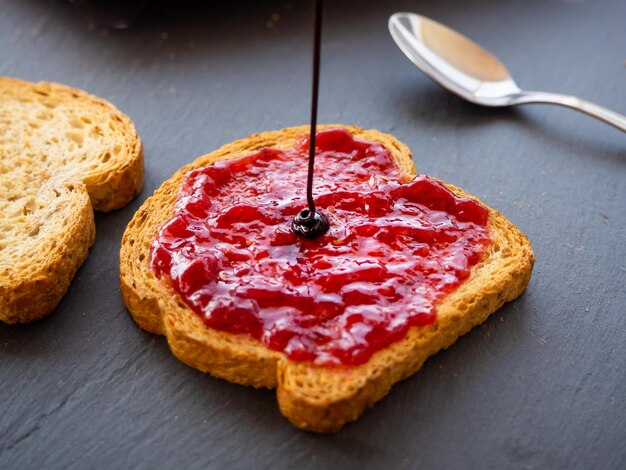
(471, 72)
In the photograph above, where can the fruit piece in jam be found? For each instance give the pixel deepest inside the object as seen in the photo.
(396, 247)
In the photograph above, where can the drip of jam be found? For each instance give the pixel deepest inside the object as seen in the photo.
(395, 248)
(310, 223)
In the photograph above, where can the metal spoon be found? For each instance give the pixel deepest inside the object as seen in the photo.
(465, 68)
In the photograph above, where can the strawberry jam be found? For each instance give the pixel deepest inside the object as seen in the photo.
(396, 246)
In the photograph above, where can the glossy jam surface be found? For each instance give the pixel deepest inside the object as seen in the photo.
(394, 249)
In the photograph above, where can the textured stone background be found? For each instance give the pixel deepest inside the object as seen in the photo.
(542, 384)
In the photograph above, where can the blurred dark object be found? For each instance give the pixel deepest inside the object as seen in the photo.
(125, 14)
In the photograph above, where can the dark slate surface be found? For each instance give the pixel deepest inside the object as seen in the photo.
(542, 384)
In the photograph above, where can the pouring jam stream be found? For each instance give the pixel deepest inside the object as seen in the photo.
(310, 223)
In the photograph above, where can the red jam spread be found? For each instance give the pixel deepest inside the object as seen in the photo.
(396, 246)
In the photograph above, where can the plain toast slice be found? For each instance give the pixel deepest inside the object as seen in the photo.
(312, 397)
(62, 153)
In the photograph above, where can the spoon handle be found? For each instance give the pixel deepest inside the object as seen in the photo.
(598, 112)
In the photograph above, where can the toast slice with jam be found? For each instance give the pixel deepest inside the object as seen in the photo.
(63, 154)
(315, 391)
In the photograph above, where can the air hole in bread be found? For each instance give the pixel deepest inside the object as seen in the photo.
(142, 257)
(45, 115)
(106, 157)
(77, 124)
(117, 149)
(75, 137)
(34, 231)
(96, 132)
(50, 103)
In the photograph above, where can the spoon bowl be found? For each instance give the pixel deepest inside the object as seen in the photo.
(468, 70)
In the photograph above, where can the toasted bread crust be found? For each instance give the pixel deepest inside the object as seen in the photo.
(64, 153)
(315, 398)
(31, 294)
